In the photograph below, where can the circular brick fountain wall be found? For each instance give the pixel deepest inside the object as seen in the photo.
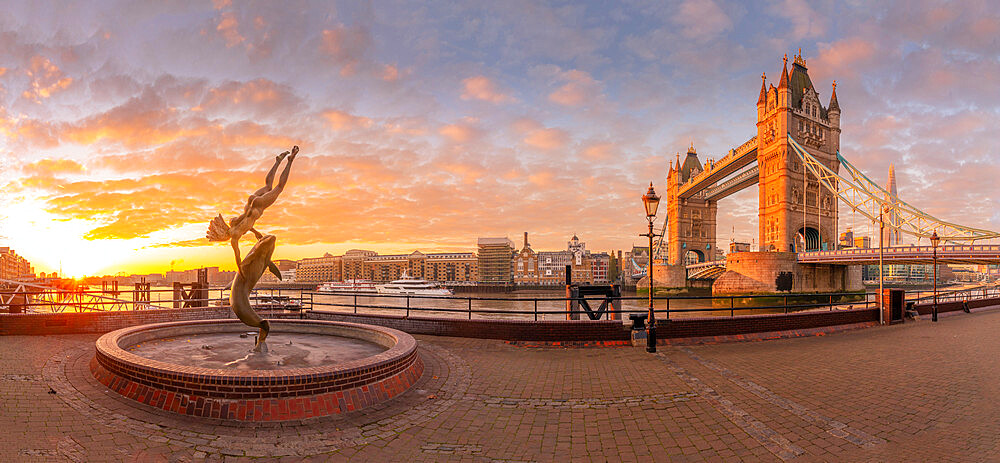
(258, 395)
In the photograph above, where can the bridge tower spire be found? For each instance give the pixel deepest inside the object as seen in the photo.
(762, 99)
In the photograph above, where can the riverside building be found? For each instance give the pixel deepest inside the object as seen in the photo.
(13, 266)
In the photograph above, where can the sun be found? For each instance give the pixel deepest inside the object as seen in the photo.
(54, 243)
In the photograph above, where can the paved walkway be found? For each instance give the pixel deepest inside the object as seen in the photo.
(913, 392)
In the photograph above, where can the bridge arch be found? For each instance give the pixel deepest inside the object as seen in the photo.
(694, 256)
(808, 239)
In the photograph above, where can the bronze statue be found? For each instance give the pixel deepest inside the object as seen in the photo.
(218, 230)
(251, 270)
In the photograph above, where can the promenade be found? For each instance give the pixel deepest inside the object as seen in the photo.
(913, 392)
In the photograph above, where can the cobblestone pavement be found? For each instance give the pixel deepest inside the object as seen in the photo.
(914, 392)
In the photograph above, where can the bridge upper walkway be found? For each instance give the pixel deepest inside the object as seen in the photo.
(736, 159)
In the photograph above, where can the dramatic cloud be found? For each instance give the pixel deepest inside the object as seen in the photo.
(128, 126)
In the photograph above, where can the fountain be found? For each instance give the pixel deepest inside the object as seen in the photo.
(213, 369)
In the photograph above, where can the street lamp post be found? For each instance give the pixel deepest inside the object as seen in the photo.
(881, 265)
(934, 243)
(651, 201)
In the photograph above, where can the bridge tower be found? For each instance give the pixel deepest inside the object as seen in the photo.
(691, 221)
(795, 212)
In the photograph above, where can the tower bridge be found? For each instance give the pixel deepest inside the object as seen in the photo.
(795, 161)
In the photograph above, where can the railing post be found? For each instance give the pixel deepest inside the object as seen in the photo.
(831, 303)
(470, 307)
(355, 303)
(536, 309)
(786, 303)
(732, 306)
(407, 306)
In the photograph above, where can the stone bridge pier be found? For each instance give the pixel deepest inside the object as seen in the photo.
(758, 272)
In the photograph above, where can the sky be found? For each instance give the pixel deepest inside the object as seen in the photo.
(126, 126)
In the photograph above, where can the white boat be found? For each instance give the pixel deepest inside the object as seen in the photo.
(347, 286)
(413, 286)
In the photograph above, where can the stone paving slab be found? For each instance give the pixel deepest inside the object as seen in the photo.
(913, 392)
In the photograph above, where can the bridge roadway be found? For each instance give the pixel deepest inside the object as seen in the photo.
(737, 159)
(948, 254)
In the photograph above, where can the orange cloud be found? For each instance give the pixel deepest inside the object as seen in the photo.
(460, 133)
(579, 90)
(466, 172)
(847, 55)
(46, 79)
(543, 178)
(482, 88)
(344, 121)
(346, 46)
(538, 136)
(547, 139)
(260, 97)
(390, 73)
(229, 28)
(601, 151)
(54, 166)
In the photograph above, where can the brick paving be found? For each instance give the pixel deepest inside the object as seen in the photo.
(913, 392)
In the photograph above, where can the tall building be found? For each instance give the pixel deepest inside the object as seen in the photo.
(495, 257)
(891, 236)
(13, 266)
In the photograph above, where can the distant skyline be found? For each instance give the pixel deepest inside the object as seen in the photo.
(126, 126)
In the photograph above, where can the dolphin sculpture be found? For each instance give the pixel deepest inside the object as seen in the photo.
(251, 269)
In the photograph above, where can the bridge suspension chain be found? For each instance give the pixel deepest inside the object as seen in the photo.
(868, 198)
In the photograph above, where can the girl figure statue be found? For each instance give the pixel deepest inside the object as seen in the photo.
(219, 230)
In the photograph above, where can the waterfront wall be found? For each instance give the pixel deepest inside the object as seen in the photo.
(101, 322)
(746, 324)
(928, 307)
(511, 330)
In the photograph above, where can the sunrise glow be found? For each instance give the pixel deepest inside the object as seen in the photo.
(126, 128)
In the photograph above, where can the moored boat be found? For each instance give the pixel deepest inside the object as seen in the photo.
(408, 285)
(348, 286)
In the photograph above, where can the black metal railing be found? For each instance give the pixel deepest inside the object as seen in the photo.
(966, 294)
(470, 307)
